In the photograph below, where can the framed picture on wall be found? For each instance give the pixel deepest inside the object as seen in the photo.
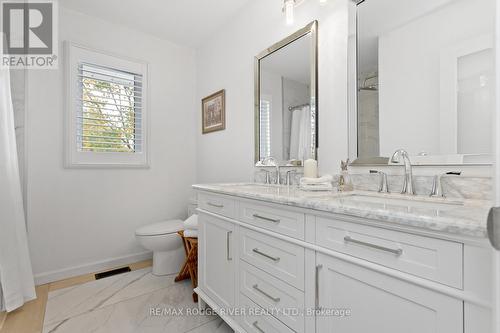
(213, 112)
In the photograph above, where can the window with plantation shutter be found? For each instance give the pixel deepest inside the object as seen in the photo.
(107, 108)
(265, 129)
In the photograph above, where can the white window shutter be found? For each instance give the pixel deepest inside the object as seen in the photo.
(265, 129)
(109, 110)
(106, 110)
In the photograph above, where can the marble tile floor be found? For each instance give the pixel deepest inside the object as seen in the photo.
(29, 317)
(125, 303)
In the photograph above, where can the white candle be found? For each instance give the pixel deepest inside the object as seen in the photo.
(310, 168)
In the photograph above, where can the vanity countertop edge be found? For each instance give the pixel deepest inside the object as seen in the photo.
(467, 220)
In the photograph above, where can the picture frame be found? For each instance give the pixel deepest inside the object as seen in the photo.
(213, 112)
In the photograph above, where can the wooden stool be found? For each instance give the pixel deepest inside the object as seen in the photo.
(190, 268)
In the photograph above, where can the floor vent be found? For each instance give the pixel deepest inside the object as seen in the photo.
(112, 272)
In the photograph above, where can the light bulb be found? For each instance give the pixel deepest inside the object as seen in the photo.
(289, 11)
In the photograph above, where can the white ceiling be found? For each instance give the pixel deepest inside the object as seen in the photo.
(186, 22)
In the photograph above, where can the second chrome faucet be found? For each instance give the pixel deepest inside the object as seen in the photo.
(408, 187)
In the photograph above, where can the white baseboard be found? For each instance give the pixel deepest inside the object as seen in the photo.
(47, 277)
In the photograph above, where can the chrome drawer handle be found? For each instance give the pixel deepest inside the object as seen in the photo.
(256, 325)
(274, 299)
(260, 217)
(215, 205)
(397, 252)
(276, 259)
(316, 289)
(228, 257)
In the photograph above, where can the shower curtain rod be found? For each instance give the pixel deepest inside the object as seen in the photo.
(291, 108)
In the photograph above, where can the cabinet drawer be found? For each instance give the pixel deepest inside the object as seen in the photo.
(379, 303)
(218, 204)
(429, 258)
(275, 256)
(273, 218)
(271, 293)
(255, 320)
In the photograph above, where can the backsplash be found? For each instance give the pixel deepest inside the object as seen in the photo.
(477, 188)
(259, 175)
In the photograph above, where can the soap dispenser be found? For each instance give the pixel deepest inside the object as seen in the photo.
(345, 183)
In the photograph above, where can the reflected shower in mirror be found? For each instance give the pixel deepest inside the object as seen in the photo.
(285, 95)
(424, 86)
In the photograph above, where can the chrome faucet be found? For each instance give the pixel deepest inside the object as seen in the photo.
(271, 161)
(268, 175)
(288, 176)
(408, 187)
(383, 186)
(437, 186)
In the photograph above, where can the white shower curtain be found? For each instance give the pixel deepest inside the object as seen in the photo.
(16, 276)
(300, 134)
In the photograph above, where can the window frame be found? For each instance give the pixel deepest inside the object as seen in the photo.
(76, 54)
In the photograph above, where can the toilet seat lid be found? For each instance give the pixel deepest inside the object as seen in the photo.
(160, 228)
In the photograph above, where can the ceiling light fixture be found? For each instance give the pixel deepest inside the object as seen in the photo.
(289, 7)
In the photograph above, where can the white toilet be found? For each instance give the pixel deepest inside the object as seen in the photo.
(166, 244)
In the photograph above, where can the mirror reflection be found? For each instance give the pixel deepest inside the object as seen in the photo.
(424, 86)
(286, 95)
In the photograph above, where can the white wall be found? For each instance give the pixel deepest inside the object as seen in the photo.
(409, 70)
(226, 61)
(80, 219)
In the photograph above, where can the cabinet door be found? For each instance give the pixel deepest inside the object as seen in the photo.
(217, 262)
(379, 303)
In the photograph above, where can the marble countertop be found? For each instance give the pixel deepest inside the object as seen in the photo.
(459, 217)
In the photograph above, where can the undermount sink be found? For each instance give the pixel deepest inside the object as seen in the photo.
(386, 201)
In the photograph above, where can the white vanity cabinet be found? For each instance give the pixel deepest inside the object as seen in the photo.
(217, 274)
(348, 274)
